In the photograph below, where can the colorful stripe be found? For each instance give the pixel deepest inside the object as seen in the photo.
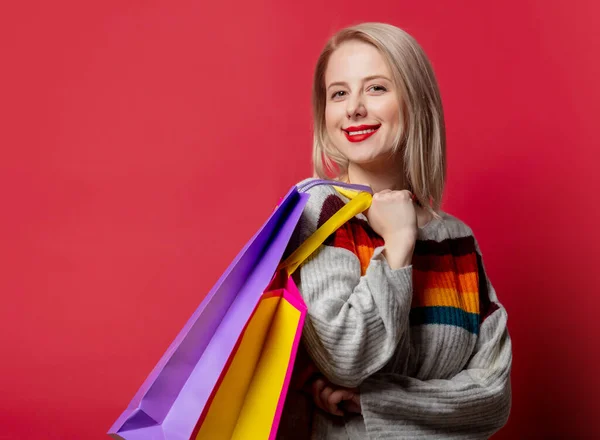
(464, 282)
(487, 307)
(356, 235)
(453, 246)
(444, 263)
(466, 301)
(449, 285)
(446, 286)
(445, 316)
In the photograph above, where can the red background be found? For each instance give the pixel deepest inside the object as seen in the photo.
(143, 143)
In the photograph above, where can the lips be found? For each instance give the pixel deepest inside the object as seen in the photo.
(360, 133)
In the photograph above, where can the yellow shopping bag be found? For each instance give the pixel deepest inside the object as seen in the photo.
(248, 400)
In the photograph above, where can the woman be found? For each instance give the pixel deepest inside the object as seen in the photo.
(404, 328)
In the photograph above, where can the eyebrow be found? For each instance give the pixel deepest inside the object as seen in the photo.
(368, 78)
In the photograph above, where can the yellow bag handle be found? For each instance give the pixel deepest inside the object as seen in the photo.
(361, 201)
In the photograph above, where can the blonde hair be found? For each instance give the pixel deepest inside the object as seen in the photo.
(422, 133)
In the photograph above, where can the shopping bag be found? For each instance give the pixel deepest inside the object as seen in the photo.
(227, 372)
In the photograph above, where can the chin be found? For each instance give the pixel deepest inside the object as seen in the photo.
(361, 160)
(367, 157)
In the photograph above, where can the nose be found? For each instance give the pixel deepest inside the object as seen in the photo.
(355, 107)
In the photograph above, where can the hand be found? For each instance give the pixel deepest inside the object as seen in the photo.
(392, 213)
(352, 405)
(330, 398)
(393, 216)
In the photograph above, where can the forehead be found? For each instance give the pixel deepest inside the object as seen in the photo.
(354, 60)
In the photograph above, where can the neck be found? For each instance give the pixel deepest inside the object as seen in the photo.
(378, 177)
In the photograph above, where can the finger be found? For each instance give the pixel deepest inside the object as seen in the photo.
(318, 385)
(352, 404)
(326, 398)
(340, 394)
(317, 396)
(316, 389)
(333, 401)
(407, 194)
(381, 194)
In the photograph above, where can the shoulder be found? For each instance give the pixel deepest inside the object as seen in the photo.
(455, 227)
(317, 188)
(322, 203)
(319, 191)
(452, 229)
(446, 228)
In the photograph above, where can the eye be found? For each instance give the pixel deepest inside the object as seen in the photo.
(337, 94)
(376, 88)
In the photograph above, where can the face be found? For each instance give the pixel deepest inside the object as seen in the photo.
(362, 111)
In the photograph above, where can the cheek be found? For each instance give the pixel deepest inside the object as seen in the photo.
(331, 118)
(389, 111)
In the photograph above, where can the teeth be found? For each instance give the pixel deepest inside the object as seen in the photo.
(355, 133)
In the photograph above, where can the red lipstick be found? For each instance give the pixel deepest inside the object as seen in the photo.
(367, 132)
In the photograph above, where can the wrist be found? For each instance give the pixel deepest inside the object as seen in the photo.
(396, 259)
(399, 250)
(404, 237)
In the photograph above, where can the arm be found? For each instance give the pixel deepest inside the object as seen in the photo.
(473, 404)
(354, 322)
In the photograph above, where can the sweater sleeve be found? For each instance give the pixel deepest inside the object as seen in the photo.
(354, 322)
(472, 405)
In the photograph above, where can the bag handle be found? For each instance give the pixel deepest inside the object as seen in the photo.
(352, 187)
(359, 203)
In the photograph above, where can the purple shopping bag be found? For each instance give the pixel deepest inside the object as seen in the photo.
(175, 395)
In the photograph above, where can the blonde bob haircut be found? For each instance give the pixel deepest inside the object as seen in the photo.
(422, 133)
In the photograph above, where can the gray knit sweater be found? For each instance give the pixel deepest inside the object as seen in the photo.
(427, 345)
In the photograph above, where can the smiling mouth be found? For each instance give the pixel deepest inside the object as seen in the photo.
(357, 131)
(360, 133)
